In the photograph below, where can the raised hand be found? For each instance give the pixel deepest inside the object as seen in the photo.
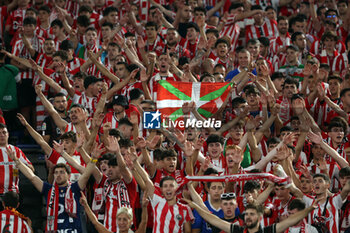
(83, 200)
(58, 147)
(205, 165)
(22, 119)
(188, 148)
(38, 89)
(97, 150)
(315, 138)
(180, 136)
(199, 144)
(141, 143)
(153, 143)
(113, 144)
(321, 91)
(134, 119)
(140, 42)
(289, 138)
(81, 115)
(188, 107)
(80, 139)
(34, 65)
(202, 44)
(11, 153)
(264, 70)
(97, 120)
(299, 106)
(143, 75)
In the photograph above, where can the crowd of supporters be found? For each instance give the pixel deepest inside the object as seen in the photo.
(79, 74)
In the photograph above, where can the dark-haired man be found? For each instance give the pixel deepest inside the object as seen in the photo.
(290, 87)
(328, 205)
(293, 67)
(50, 131)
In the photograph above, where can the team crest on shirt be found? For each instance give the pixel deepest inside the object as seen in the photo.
(178, 217)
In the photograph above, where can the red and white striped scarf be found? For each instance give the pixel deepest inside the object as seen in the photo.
(52, 208)
(239, 177)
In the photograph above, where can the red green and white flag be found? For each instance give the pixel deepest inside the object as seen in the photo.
(208, 97)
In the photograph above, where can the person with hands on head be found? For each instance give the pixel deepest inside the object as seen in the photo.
(62, 195)
(121, 186)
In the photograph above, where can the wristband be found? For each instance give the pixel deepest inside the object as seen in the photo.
(93, 160)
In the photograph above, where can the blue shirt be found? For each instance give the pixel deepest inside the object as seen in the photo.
(64, 222)
(233, 73)
(200, 223)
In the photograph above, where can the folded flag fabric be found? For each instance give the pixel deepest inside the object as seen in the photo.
(208, 97)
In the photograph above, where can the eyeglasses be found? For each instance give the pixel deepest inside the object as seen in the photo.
(228, 195)
(331, 16)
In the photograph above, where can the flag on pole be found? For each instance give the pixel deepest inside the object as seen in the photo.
(208, 97)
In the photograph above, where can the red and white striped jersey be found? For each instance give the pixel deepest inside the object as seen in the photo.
(280, 211)
(73, 7)
(110, 117)
(217, 60)
(169, 218)
(113, 201)
(56, 158)
(331, 217)
(157, 46)
(89, 103)
(316, 47)
(19, 50)
(238, 187)
(43, 60)
(15, 19)
(41, 32)
(267, 29)
(186, 44)
(70, 127)
(144, 8)
(8, 170)
(231, 30)
(333, 173)
(340, 64)
(129, 87)
(75, 63)
(278, 43)
(11, 222)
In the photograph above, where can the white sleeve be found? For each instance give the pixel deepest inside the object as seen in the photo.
(308, 200)
(156, 199)
(337, 201)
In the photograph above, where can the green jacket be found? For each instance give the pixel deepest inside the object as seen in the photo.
(8, 88)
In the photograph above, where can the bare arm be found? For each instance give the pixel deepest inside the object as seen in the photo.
(293, 219)
(27, 172)
(35, 135)
(99, 226)
(61, 124)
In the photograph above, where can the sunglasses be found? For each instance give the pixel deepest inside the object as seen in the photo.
(228, 195)
(331, 16)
